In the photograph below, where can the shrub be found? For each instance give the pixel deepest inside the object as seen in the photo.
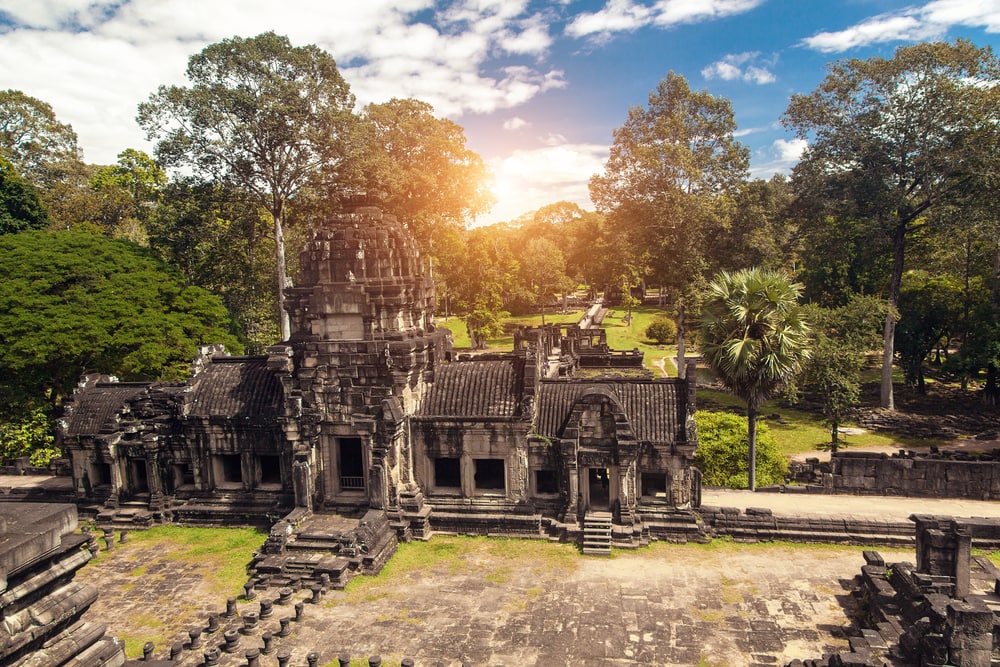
(662, 329)
(723, 451)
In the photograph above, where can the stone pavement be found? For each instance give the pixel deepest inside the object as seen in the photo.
(490, 602)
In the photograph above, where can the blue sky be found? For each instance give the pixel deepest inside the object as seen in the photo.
(538, 86)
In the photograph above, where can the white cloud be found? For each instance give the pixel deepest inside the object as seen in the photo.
(731, 68)
(95, 60)
(930, 21)
(778, 158)
(626, 15)
(515, 123)
(528, 179)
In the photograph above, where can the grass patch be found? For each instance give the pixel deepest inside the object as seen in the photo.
(229, 549)
(454, 555)
(799, 431)
(459, 332)
(656, 358)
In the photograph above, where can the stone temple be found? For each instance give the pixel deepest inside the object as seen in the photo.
(367, 414)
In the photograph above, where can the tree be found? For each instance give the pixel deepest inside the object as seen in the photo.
(723, 446)
(929, 310)
(262, 114)
(31, 137)
(669, 163)
(754, 338)
(128, 192)
(429, 177)
(891, 140)
(20, 208)
(662, 330)
(217, 237)
(543, 271)
(841, 337)
(72, 302)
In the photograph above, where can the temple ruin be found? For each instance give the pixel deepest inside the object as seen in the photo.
(365, 427)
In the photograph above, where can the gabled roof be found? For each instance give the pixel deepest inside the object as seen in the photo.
(94, 408)
(651, 406)
(236, 387)
(473, 389)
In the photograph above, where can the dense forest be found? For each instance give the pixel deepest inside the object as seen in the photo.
(888, 224)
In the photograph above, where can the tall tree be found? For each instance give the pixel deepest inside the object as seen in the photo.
(31, 136)
(543, 271)
(128, 192)
(260, 113)
(431, 180)
(891, 139)
(20, 208)
(73, 302)
(841, 337)
(754, 338)
(668, 163)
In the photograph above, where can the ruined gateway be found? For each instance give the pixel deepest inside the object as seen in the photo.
(366, 412)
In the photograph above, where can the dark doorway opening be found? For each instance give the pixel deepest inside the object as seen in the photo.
(600, 492)
(270, 469)
(546, 483)
(447, 473)
(137, 476)
(352, 464)
(654, 484)
(231, 468)
(490, 475)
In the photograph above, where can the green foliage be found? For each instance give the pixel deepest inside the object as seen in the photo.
(274, 119)
(420, 162)
(20, 207)
(723, 452)
(754, 338)
(841, 337)
(72, 302)
(663, 330)
(929, 310)
(27, 432)
(31, 137)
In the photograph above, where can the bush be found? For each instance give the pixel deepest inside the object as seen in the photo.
(663, 330)
(723, 451)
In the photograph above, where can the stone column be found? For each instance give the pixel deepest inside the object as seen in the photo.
(969, 634)
(963, 558)
(302, 481)
(153, 478)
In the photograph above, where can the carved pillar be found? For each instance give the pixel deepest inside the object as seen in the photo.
(302, 481)
(154, 478)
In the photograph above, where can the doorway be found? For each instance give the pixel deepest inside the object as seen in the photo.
(599, 487)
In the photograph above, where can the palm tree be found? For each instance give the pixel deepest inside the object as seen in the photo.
(754, 339)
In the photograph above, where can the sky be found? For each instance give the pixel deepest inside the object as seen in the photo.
(539, 87)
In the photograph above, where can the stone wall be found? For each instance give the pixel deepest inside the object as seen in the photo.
(934, 475)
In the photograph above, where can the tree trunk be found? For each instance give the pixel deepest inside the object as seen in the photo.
(834, 435)
(752, 442)
(681, 366)
(888, 352)
(991, 392)
(279, 256)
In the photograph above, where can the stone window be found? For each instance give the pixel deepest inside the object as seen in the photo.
(654, 485)
(546, 483)
(447, 473)
(228, 469)
(490, 475)
(100, 474)
(350, 459)
(270, 470)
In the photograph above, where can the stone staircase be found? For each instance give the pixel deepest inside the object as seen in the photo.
(597, 534)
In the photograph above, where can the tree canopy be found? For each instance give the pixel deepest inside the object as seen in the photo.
(260, 113)
(892, 139)
(30, 135)
(20, 208)
(73, 302)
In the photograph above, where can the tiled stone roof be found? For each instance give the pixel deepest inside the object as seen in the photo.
(97, 406)
(236, 387)
(473, 389)
(651, 406)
